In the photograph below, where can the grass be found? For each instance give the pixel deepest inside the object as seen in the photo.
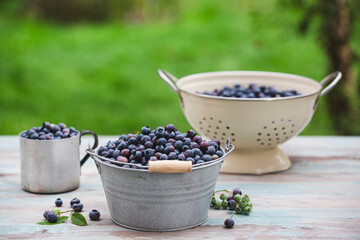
(103, 76)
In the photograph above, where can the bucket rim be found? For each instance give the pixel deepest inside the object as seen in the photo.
(213, 162)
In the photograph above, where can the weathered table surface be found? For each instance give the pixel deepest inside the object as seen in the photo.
(319, 197)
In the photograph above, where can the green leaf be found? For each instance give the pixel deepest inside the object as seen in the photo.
(61, 219)
(78, 219)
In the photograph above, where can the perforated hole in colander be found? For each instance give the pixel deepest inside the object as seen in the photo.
(275, 134)
(216, 128)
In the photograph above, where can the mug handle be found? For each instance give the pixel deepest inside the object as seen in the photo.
(96, 142)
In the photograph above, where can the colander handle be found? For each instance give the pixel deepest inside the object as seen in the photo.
(169, 79)
(334, 77)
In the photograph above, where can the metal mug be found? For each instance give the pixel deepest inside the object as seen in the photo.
(52, 166)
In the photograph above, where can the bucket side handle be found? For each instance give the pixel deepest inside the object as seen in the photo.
(170, 166)
(334, 78)
(169, 79)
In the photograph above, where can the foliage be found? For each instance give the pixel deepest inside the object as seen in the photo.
(102, 76)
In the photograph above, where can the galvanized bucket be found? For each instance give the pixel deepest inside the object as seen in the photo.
(152, 201)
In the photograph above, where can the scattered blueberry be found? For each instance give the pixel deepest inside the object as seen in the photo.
(52, 217)
(74, 200)
(94, 215)
(77, 207)
(229, 223)
(58, 202)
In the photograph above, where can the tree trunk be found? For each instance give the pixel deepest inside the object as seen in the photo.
(342, 99)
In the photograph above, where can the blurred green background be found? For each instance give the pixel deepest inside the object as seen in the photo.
(92, 64)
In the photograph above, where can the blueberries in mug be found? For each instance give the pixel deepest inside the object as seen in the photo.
(49, 131)
(163, 143)
(252, 91)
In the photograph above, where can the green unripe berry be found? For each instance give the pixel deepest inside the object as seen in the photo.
(223, 196)
(246, 197)
(217, 204)
(238, 209)
(213, 202)
(237, 198)
(251, 206)
(224, 204)
(56, 211)
(243, 203)
(247, 210)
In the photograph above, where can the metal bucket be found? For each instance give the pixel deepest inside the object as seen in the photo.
(152, 201)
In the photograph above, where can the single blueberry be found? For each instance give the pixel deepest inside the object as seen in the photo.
(206, 157)
(77, 207)
(46, 212)
(62, 125)
(219, 153)
(74, 200)
(42, 137)
(145, 130)
(229, 223)
(190, 159)
(169, 149)
(94, 215)
(191, 133)
(172, 156)
(52, 217)
(210, 150)
(58, 202)
(132, 140)
(170, 128)
(161, 141)
(160, 132)
(138, 156)
(181, 157)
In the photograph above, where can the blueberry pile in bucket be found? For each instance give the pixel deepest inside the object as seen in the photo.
(252, 91)
(50, 131)
(160, 144)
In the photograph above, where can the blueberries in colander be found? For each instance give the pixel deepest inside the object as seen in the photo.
(163, 143)
(251, 91)
(49, 131)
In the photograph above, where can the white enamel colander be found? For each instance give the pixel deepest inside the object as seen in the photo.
(256, 126)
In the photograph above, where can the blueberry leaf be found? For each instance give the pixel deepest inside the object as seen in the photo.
(78, 219)
(61, 219)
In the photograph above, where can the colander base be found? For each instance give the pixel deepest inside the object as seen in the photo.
(256, 161)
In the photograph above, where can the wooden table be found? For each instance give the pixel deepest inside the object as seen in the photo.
(319, 197)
